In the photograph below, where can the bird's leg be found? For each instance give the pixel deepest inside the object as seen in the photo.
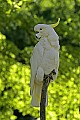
(53, 72)
(50, 77)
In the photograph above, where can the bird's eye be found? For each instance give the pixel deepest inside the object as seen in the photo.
(40, 28)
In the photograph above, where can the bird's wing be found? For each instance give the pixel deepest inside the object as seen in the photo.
(35, 63)
(50, 61)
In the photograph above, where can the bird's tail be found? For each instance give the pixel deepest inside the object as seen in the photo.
(36, 96)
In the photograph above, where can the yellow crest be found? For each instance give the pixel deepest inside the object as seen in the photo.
(56, 24)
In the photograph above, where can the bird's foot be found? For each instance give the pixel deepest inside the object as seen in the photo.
(50, 76)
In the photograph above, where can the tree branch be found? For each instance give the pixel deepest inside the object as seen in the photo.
(46, 81)
(43, 99)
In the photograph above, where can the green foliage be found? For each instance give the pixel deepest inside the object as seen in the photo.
(17, 38)
(14, 81)
(64, 93)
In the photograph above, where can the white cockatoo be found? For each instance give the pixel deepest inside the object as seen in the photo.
(44, 60)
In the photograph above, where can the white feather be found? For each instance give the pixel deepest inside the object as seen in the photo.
(44, 59)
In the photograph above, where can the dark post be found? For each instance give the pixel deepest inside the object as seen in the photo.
(46, 82)
(43, 99)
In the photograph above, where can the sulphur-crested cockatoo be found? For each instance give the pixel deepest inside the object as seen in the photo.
(44, 60)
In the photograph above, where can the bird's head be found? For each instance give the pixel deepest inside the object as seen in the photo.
(44, 30)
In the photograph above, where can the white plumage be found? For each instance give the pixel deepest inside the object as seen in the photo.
(44, 59)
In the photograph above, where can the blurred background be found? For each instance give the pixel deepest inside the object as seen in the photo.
(17, 39)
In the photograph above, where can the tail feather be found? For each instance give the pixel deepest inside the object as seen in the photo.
(36, 95)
